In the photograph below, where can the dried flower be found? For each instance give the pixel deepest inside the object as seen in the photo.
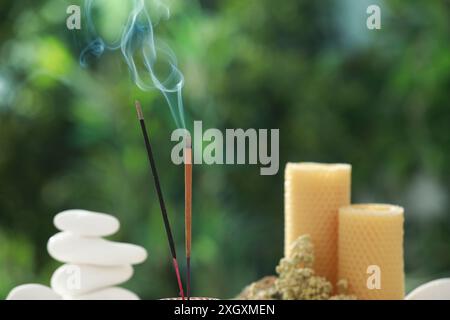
(296, 279)
(263, 289)
(342, 290)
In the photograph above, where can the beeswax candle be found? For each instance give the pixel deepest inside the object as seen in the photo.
(370, 250)
(314, 193)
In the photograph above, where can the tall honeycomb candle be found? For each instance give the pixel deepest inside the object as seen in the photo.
(371, 250)
(314, 192)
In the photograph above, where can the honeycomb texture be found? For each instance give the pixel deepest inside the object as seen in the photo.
(372, 234)
(313, 195)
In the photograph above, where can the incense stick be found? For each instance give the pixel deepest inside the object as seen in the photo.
(188, 210)
(162, 205)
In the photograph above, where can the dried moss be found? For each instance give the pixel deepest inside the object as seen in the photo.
(296, 279)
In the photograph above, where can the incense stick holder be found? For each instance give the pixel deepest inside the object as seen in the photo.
(191, 298)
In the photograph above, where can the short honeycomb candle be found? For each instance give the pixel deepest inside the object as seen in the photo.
(370, 250)
(314, 193)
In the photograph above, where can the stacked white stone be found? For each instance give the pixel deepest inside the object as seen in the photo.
(94, 267)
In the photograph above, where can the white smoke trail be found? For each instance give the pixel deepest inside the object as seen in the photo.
(138, 43)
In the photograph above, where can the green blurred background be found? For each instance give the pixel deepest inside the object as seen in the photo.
(339, 92)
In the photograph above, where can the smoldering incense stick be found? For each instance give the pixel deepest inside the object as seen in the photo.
(151, 160)
(188, 209)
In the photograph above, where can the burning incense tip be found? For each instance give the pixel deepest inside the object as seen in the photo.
(139, 110)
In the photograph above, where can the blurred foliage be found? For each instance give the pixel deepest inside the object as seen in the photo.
(338, 92)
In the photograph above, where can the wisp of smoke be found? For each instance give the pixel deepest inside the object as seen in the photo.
(139, 47)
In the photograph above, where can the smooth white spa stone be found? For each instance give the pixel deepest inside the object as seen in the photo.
(33, 291)
(73, 279)
(86, 223)
(70, 248)
(434, 290)
(112, 293)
